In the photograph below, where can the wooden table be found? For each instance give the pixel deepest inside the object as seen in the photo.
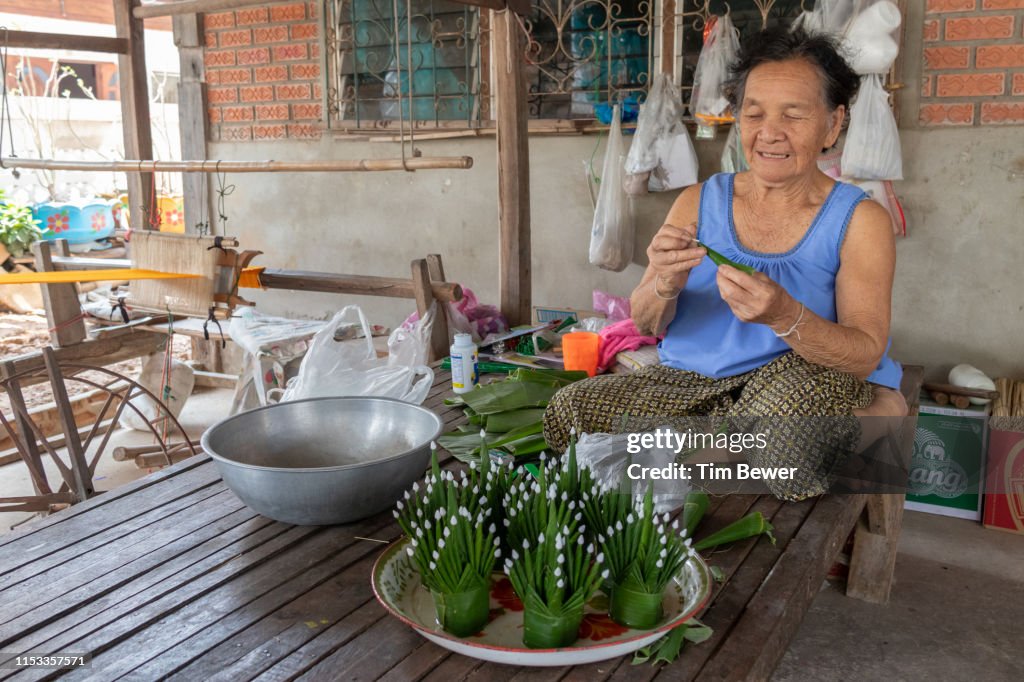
(173, 577)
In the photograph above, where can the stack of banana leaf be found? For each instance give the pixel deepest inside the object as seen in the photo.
(509, 412)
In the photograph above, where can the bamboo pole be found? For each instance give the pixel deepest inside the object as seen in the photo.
(266, 166)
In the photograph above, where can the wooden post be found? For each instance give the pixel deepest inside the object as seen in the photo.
(435, 268)
(188, 36)
(81, 482)
(514, 269)
(63, 311)
(424, 297)
(138, 137)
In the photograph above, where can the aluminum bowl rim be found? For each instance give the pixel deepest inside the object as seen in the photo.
(205, 438)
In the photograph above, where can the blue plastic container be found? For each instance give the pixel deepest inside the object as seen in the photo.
(79, 222)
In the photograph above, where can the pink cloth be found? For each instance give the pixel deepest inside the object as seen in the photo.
(618, 337)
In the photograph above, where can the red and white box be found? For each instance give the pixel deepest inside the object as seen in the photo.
(1004, 480)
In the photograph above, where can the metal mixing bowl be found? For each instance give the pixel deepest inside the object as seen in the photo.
(324, 460)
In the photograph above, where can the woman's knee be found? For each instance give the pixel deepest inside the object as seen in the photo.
(886, 403)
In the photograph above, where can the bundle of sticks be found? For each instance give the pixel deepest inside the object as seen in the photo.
(958, 396)
(1010, 402)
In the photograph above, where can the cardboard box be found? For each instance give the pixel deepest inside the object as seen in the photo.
(947, 466)
(1004, 481)
(543, 314)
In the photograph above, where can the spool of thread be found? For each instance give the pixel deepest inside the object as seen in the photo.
(968, 376)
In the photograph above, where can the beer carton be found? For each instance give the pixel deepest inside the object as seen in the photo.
(1004, 482)
(947, 465)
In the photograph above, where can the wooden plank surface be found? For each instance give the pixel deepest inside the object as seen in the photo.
(172, 577)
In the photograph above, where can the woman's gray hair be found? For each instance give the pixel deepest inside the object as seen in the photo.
(840, 82)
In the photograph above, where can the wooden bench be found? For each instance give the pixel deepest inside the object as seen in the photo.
(172, 576)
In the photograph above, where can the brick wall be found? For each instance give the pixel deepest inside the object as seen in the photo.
(973, 63)
(263, 73)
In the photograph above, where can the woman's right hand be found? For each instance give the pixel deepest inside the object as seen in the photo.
(673, 253)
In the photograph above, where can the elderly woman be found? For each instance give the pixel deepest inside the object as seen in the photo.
(807, 333)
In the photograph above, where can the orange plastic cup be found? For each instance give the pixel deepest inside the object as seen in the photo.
(580, 351)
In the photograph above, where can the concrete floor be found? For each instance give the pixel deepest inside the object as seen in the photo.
(957, 610)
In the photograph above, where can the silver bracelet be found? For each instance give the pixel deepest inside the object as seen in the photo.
(664, 298)
(792, 329)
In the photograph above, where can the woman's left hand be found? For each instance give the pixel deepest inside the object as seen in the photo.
(756, 298)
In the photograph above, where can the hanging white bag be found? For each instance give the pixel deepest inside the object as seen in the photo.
(172, 387)
(352, 368)
(872, 147)
(719, 51)
(661, 152)
(611, 235)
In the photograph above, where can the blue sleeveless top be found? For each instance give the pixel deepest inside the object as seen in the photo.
(706, 337)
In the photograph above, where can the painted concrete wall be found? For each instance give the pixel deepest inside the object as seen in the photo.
(959, 291)
(959, 294)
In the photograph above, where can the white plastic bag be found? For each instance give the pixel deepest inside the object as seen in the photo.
(872, 148)
(719, 51)
(611, 235)
(871, 38)
(352, 368)
(661, 146)
(606, 456)
(828, 16)
(181, 380)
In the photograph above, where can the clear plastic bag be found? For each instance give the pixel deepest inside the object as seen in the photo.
(828, 16)
(719, 51)
(352, 368)
(179, 381)
(872, 148)
(734, 160)
(661, 156)
(611, 235)
(606, 456)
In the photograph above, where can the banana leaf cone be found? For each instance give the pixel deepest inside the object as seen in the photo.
(632, 606)
(545, 630)
(463, 613)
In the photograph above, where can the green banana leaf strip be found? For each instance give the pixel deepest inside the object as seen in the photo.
(503, 422)
(547, 376)
(749, 526)
(694, 507)
(516, 434)
(508, 395)
(464, 446)
(530, 445)
(666, 649)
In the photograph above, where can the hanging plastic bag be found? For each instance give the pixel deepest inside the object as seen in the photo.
(828, 16)
(611, 236)
(872, 148)
(720, 48)
(661, 156)
(871, 38)
(352, 368)
(172, 387)
(733, 158)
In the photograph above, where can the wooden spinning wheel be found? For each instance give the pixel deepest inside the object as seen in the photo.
(77, 464)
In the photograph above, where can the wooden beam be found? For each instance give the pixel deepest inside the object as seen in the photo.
(81, 479)
(167, 9)
(365, 285)
(190, 40)
(100, 352)
(180, 7)
(148, 166)
(138, 136)
(63, 41)
(514, 269)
